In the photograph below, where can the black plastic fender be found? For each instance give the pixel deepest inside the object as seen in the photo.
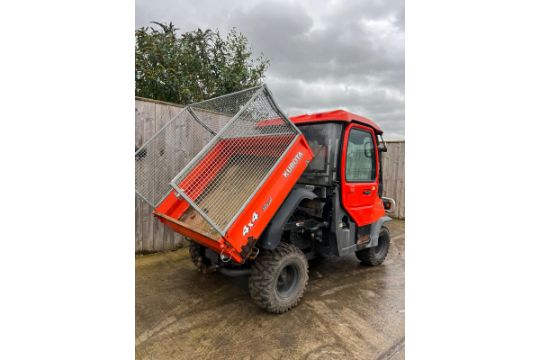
(271, 236)
(375, 229)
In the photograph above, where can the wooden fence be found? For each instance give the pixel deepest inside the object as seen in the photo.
(152, 236)
(394, 175)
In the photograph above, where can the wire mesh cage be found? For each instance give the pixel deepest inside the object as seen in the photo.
(215, 154)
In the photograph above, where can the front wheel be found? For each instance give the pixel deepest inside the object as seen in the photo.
(376, 255)
(279, 278)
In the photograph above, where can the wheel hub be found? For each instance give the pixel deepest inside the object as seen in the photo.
(287, 280)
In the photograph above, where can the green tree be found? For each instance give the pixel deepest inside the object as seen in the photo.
(194, 66)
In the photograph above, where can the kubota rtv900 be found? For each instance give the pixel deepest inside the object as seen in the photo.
(263, 193)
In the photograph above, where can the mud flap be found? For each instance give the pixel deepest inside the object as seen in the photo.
(375, 229)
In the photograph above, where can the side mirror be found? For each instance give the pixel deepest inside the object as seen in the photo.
(382, 144)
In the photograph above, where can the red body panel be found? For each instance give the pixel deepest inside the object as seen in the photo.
(258, 212)
(336, 115)
(361, 199)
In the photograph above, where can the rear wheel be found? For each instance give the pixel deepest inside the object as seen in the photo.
(376, 255)
(279, 278)
(196, 253)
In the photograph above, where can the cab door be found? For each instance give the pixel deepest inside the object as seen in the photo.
(359, 173)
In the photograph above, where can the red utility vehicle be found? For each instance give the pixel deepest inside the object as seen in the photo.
(268, 193)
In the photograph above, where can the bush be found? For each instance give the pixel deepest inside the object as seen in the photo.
(194, 66)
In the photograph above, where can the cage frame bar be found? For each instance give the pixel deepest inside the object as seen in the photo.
(215, 139)
(261, 183)
(190, 110)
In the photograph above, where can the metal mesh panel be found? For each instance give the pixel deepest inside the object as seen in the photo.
(166, 153)
(218, 111)
(227, 173)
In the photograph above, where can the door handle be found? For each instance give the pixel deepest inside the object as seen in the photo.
(366, 192)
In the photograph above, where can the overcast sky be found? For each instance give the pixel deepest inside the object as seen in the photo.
(324, 55)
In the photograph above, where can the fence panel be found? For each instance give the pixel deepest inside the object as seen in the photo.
(150, 234)
(394, 175)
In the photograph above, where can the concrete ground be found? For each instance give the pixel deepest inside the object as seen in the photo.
(349, 311)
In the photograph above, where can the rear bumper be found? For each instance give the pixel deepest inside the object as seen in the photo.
(234, 272)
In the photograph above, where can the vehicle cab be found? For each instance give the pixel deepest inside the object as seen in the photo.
(347, 156)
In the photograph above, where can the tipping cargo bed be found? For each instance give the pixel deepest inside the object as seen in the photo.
(243, 157)
(232, 186)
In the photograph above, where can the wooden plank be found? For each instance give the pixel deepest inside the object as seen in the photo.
(167, 112)
(394, 176)
(159, 234)
(147, 113)
(138, 224)
(399, 180)
(138, 213)
(163, 236)
(181, 157)
(176, 239)
(402, 180)
(139, 125)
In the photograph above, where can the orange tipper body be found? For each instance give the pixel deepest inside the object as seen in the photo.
(253, 219)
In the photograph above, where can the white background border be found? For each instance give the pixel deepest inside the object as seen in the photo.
(67, 271)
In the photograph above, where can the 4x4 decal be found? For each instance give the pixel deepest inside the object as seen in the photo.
(247, 228)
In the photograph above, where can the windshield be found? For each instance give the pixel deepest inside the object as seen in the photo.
(323, 139)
